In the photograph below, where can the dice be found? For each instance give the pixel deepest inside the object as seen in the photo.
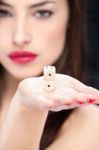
(49, 78)
(49, 85)
(49, 73)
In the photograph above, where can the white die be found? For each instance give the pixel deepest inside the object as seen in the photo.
(49, 73)
(49, 85)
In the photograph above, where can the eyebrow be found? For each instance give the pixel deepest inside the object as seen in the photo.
(4, 4)
(44, 2)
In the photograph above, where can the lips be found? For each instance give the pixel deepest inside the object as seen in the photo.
(22, 57)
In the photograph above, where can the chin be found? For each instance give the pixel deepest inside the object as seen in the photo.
(22, 75)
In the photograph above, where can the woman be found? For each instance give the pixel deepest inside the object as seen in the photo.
(35, 33)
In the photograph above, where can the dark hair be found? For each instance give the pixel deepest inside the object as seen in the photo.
(71, 62)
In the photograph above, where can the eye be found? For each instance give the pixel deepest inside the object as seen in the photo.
(43, 14)
(4, 13)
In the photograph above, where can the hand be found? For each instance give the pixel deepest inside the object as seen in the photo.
(69, 93)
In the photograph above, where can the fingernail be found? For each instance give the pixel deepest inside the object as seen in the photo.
(69, 103)
(80, 102)
(90, 100)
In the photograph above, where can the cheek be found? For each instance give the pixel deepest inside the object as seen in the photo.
(5, 32)
(5, 43)
(55, 42)
(5, 40)
(56, 37)
(52, 40)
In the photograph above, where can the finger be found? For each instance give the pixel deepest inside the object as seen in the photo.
(70, 82)
(70, 99)
(60, 108)
(93, 94)
(66, 99)
(80, 87)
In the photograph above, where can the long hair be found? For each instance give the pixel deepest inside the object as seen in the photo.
(71, 62)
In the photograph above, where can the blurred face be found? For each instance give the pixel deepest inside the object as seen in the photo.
(32, 34)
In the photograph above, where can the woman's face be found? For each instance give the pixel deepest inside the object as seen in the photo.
(32, 34)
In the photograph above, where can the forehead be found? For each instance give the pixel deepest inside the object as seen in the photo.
(29, 2)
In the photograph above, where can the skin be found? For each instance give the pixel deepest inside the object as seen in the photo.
(26, 27)
(25, 104)
(27, 111)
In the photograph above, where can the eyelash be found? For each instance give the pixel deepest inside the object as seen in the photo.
(40, 14)
(43, 14)
(4, 13)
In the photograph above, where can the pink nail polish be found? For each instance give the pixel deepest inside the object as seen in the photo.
(69, 103)
(80, 102)
(90, 100)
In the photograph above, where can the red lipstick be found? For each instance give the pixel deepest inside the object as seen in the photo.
(22, 57)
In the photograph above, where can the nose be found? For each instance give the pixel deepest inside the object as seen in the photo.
(21, 35)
